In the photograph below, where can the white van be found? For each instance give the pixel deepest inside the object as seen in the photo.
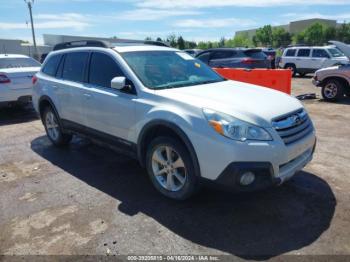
(306, 59)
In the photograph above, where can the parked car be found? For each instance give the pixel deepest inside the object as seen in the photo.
(166, 109)
(271, 56)
(334, 81)
(235, 58)
(16, 72)
(304, 59)
(193, 52)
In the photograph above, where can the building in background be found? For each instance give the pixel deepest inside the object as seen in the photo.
(293, 27)
(12, 46)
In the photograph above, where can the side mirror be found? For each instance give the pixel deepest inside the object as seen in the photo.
(118, 82)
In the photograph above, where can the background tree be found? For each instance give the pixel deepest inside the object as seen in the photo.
(315, 34)
(172, 40)
(264, 36)
(241, 40)
(343, 33)
(280, 37)
(222, 42)
(180, 43)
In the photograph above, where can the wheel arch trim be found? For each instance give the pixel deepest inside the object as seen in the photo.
(47, 99)
(177, 130)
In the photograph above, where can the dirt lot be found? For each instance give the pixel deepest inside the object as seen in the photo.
(89, 200)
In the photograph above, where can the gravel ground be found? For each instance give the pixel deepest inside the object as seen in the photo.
(89, 200)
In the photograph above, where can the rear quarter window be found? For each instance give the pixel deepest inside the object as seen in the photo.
(50, 67)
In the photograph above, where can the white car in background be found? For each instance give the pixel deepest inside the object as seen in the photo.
(16, 73)
(303, 60)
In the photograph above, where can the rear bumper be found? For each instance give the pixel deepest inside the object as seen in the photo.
(265, 176)
(20, 100)
(14, 95)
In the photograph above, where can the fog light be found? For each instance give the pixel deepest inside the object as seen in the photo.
(247, 178)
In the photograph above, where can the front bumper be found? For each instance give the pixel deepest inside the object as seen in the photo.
(316, 82)
(265, 175)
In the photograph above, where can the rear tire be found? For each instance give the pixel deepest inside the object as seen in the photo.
(291, 67)
(54, 129)
(333, 90)
(170, 168)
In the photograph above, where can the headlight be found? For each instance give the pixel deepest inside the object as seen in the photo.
(234, 128)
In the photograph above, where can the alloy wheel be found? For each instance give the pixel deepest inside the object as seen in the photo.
(52, 126)
(169, 168)
(331, 90)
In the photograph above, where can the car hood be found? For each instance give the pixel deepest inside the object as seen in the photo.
(254, 104)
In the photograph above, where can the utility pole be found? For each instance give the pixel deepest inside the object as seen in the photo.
(30, 6)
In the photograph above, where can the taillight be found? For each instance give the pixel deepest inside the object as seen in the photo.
(4, 79)
(34, 79)
(248, 61)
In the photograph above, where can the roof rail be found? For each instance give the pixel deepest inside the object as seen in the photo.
(116, 42)
(82, 43)
(105, 44)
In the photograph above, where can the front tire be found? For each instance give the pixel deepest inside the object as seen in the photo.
(54, 129)
(170, 168)
(332, 90)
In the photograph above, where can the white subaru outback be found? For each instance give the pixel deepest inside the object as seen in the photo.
(181, 120)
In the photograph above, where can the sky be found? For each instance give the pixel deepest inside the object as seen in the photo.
(195, 20)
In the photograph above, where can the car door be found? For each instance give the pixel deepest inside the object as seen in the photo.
(320, 58)
(69, 86)
(108, 111)
(303, 59)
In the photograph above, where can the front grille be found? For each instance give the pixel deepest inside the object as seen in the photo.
(293, 127)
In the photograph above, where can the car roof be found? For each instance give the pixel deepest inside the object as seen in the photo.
(13, 56)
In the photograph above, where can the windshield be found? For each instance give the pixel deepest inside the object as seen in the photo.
(169, 69)
(336, 52)
(18, 62)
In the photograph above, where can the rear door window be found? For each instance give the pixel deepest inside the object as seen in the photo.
(51, 65)
(320, 53)
(304, 52)
(102, 70)
(291, 52)
(74, 66)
